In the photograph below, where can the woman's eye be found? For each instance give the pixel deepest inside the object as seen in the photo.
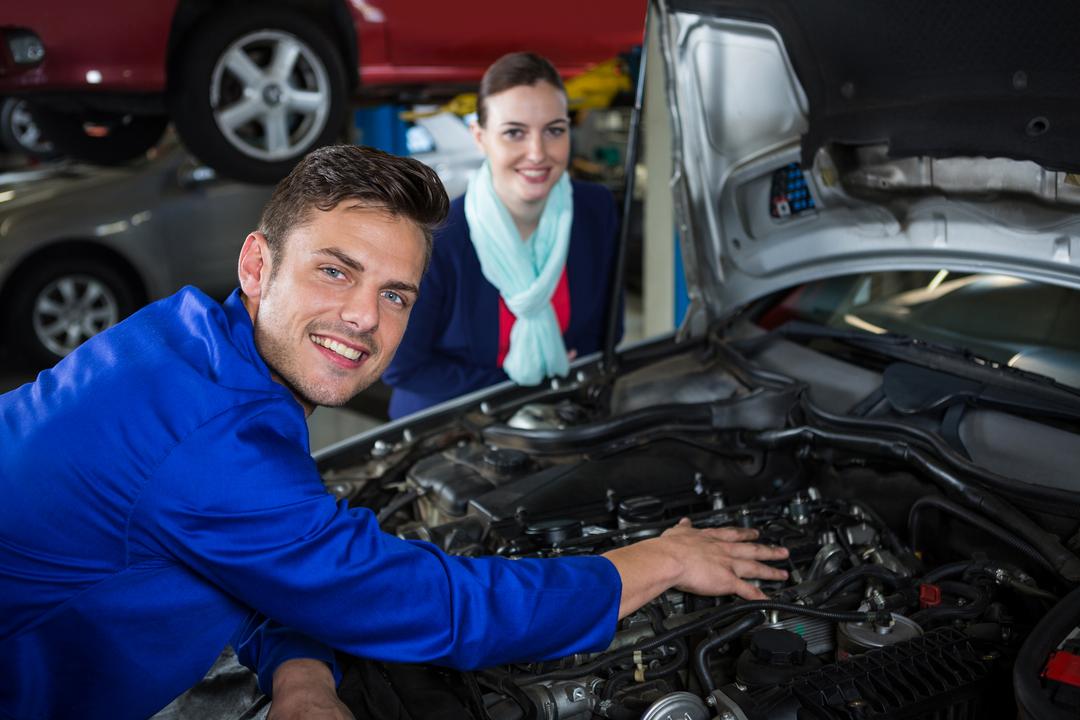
(557, 131)
(514, 134)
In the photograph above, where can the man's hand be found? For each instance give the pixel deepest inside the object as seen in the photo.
(712, 561)
(305, 689)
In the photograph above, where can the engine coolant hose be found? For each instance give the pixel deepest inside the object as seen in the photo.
(720, 637)
(707, 620)
(990, 528)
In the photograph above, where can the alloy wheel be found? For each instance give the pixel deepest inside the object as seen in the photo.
(26, 132)
(71, 309)
(270, 94)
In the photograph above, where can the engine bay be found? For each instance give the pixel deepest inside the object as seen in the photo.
(912, 587)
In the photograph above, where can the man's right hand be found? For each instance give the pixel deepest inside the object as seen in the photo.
(712, 561)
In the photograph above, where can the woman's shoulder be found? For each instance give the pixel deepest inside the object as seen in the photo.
(594, 207)
(592, 194)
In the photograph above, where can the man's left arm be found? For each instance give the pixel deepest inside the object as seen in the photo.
(299, 674)
(306, 689)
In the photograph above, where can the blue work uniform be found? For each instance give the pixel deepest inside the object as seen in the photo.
(159, 501)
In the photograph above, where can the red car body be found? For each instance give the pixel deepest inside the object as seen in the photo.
(120, 46)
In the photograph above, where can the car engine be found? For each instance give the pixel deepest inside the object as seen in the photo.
(902, 601)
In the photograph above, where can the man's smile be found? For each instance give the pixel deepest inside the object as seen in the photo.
(340, 350)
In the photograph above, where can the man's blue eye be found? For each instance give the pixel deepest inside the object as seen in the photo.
(394, 297)
(333, 272)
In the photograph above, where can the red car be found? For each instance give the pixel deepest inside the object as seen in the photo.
(252, 86)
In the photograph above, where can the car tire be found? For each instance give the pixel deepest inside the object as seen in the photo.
(101, 138)
(20, 132)
(60, 304)
(257, 88)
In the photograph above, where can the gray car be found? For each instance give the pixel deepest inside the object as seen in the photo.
(81, 247)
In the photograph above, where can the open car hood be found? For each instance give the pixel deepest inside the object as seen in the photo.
(821, 138)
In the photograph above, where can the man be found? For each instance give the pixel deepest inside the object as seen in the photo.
(159, 500)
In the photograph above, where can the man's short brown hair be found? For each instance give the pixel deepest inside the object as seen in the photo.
(327, 176)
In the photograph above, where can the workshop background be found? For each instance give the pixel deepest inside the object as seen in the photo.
(118, 187)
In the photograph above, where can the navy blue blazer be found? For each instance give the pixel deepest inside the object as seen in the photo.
(452, 342)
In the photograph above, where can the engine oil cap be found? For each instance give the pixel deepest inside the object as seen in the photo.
(551, 532)
(506, 461)
(777, 647)
(641, 509)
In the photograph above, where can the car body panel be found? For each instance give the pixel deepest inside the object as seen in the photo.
(112, 45)
(122, 46)
(740, 76)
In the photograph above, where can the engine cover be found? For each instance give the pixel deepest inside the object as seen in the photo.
(941, 675)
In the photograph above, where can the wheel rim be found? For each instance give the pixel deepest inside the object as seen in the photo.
(71, 309)
(26, 131)
(270, 94)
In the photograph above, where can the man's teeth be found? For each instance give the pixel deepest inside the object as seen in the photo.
(343, 350)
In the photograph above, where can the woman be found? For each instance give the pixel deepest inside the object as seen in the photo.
(520, 276)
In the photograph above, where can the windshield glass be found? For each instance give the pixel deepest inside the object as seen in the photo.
(1021, 323)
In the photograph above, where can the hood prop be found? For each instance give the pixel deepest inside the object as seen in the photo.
(609, 361)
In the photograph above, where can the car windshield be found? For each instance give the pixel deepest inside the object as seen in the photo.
(1017, 322)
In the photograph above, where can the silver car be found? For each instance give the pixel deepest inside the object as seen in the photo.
(82, 247)
(877, 209)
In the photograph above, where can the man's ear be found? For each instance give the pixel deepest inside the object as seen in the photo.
(254, 265)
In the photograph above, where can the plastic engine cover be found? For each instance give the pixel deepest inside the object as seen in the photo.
(939, 676)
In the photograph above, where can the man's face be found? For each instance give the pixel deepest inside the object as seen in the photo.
(328, 318)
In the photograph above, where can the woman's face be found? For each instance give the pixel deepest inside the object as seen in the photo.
(527, 142)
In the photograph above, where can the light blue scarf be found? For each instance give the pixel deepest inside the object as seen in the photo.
(524, 273)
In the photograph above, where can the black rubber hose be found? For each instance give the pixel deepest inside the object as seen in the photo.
(698, 415)
(1063, 562)
(506, 686)
(720, 637)
(1044, 638)
(1001, 483)
(945, 571)
(855, 574)
(706, 620)
(978, 602)
(940, 503)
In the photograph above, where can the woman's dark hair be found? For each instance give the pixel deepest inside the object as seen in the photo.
(325, 177)
(510, 71)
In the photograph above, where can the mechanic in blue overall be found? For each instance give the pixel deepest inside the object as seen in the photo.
(158, 499)
(522, 271)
